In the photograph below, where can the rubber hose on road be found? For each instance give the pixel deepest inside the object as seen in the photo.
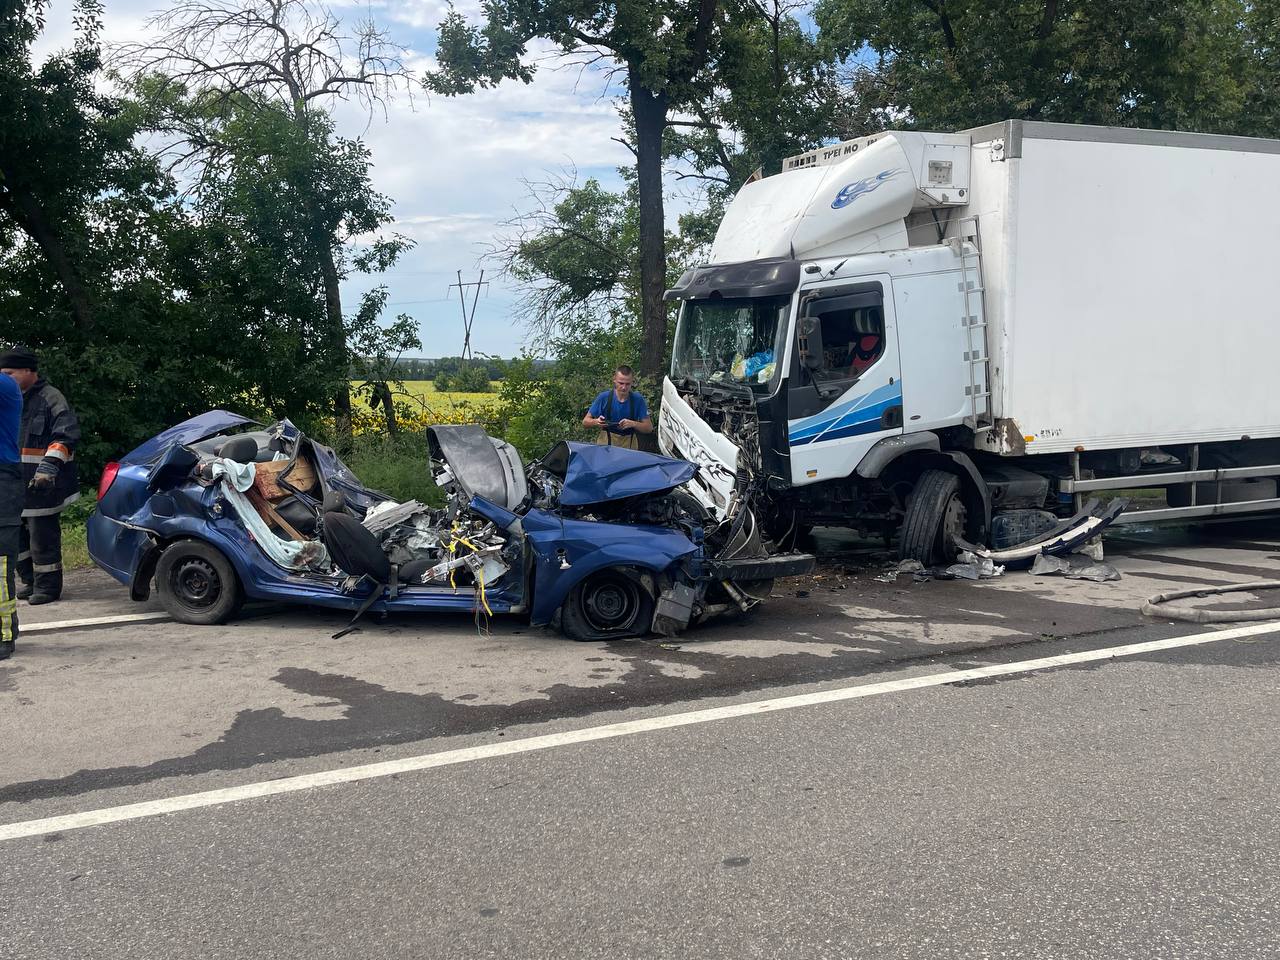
(1153, 607)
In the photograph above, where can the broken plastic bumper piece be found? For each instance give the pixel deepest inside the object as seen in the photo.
(761, 568)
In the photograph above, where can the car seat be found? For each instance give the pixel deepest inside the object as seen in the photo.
(357, 551)
(867, 344)
(241, 449)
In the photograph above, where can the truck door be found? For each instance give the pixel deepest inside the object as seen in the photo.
(845, 389)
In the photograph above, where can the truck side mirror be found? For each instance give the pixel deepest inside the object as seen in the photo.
(810, 342)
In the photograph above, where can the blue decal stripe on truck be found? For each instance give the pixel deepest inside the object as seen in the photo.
(848, 419)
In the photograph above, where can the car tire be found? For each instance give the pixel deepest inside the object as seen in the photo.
(197, 583)
(610, 604)
(935, 511)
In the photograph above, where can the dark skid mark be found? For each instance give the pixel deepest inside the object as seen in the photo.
(9, 676)
(1173, 578)
(1255, 573)
(736, 861)
(375, 716)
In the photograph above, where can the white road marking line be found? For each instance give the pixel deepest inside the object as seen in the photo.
(26, 628)
(328, 778)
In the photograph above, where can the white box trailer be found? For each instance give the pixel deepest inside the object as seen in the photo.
(1132, 285)
(962, 335)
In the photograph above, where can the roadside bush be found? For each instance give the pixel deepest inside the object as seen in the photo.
(397, 466)
(469, 379)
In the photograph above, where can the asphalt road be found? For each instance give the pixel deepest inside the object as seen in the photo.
(1122, 808)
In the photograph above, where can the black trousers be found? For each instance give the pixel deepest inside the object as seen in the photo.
(40, 554)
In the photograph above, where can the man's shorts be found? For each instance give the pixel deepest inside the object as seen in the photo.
(627, 441)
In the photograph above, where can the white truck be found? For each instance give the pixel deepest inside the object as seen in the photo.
(959, 336)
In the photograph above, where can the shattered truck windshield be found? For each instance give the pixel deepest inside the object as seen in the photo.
(730, 340)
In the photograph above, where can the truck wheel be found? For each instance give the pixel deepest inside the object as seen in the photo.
(935, 517)
(608, 605)
(197, 584)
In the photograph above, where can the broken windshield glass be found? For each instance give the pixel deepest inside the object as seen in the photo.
(730, 340)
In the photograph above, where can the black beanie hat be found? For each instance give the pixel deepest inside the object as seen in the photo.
(18, 358)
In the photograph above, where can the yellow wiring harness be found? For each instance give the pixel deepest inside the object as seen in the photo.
(453, 549)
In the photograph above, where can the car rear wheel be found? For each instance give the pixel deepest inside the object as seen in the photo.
(197, 584)
(609, 604)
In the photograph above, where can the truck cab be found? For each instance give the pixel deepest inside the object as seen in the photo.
(821, 345)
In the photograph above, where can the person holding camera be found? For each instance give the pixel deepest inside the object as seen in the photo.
(620, 414)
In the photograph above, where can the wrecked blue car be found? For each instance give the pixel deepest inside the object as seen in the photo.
(598, 541)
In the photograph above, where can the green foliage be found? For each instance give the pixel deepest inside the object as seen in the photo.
(961, 63)
(576, 255)
(148, 305)
(470, 378)
(776, 94)
(1261, 113)
(539, 405)
(398, 467)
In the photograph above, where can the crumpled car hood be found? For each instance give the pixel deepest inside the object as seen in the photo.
(187, 432)
(595, 473)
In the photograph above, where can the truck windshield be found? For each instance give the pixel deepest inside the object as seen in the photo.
(730, 340)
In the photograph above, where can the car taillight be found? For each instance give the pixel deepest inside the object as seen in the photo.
(108, 477)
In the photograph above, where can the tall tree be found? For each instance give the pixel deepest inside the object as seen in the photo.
(266, 207)
(57, 149)
(660, 48)
(288, 54)
(949, 64)
(573, 252)
(776, 93)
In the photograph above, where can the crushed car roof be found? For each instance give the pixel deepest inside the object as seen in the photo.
(596, 473)
(187, 432)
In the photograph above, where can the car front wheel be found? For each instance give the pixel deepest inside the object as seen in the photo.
(609, 604)
(197, 584)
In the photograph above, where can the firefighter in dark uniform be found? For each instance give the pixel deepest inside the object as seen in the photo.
(49, 435)
(10, 509)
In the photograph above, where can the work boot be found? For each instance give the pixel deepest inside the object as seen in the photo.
(24, 591)
(39, 598)
(6, 649)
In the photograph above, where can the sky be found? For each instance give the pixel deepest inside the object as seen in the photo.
(453, 167)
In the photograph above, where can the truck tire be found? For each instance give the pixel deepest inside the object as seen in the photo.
(197, 584)
(935, 511)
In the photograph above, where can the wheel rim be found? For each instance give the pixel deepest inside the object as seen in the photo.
(611, 603)
(195, 583)
(953, 523)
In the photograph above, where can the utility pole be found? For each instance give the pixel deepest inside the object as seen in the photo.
(468, 318)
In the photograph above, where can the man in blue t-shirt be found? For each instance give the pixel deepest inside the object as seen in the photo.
(620, 414)
(12, 493)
